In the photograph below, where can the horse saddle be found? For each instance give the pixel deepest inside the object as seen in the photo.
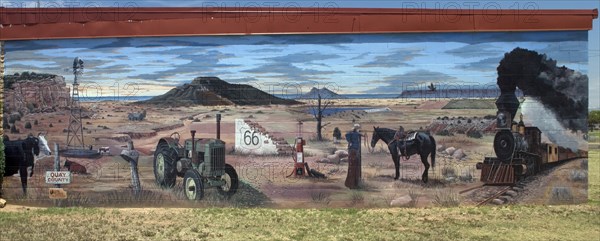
(411, 136)
(407, 143)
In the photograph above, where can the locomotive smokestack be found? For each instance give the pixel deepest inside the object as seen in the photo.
(508, 102)
(194, 158)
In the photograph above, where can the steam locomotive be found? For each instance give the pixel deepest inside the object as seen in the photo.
(519, 150)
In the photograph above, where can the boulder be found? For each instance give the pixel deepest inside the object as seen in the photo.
(459, 154)
(497, 201)
(324, 160)
(440, 148)
(341, 153)
(450, 150)
(333, 158)
(344, 159)
(401, 201)
(2, 203)
(517, 189)
(511, 193)
(506, 198)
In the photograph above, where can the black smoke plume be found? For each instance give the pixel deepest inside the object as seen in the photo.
(560, 89)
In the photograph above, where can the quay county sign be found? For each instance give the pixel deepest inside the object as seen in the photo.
(58, 177)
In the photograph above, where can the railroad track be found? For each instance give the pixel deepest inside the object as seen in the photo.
(498, 195)
(495, 196)
(504, 194)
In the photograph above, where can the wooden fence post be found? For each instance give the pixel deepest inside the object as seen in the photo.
(131, 155)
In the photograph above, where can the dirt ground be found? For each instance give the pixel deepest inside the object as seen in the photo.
(264, 179)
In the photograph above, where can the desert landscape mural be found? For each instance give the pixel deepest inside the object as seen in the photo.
(260, 105)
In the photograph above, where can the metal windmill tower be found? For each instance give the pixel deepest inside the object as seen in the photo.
(75, 131)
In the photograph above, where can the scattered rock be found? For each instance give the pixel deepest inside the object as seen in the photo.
(517, 189)
(2, 203)
(440, 148)
(341, 153)
(401, 201)
(344, 159)
(450, 150)
(506, 198)
(511, 193)
(497, 201)
(459, 154)
(333, 158)
(450, 179)
(324, 160)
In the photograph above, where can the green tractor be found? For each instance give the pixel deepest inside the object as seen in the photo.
(201, 163)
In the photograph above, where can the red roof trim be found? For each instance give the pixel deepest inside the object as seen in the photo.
(58, 23)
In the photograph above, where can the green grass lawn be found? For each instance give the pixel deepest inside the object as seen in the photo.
(594, 177)
(568, 222)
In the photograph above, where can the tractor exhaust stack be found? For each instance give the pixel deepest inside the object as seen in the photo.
(218, 126)
(194, 154)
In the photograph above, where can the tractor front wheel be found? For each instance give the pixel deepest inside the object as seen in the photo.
(231, 182)
(192, 184)
(164, 165)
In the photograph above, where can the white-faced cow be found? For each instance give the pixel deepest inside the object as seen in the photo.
(20, 154)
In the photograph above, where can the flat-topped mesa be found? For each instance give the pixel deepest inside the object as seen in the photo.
(213, 82)
(209, 91)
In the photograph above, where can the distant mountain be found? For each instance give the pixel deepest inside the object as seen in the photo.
(325, 93)
(214, 91)
(454, 93)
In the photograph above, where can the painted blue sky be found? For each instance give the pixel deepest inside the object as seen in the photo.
(593, 50)
(351, 64)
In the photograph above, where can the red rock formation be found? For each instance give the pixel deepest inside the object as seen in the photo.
(36, 93)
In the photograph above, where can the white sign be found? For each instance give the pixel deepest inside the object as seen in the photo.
(60, 177)
(249, 139)
(299, 157)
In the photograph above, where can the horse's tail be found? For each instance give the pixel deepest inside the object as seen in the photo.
(433, 150)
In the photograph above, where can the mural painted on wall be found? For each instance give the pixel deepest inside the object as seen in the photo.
(299, 121)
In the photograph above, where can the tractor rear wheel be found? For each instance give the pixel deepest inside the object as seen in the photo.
(231, 182)
(164, 165)
(192, 184)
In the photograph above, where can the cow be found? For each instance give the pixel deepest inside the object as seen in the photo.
(104, 150)
(75, 167)
(20, 155)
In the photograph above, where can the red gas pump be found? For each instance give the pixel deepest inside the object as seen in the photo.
(300, 167)
(299, 164)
